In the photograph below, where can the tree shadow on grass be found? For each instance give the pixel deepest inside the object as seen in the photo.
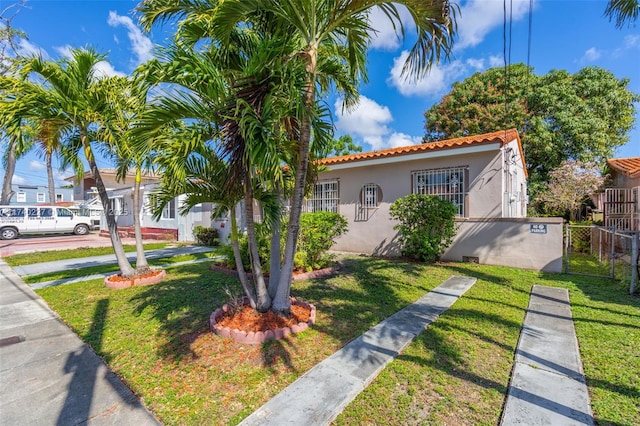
(182, 304)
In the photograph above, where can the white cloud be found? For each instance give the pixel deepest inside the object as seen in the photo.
(477, 64)
(18, 180)
(591, 55)
(402, 139)
(64, 51)
(496, 61)
(436, 81)
(632, 41)
(36, 166)
(370, 121)
(385, 37)
(101, 69)
(140, 44)
(367, 120)
(25, 48)
(479, 17)
(105, 69)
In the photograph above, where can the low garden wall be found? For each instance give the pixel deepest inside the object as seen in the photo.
(529, 243)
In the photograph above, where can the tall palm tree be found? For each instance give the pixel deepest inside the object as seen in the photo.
(79, 98)
(128, 101)
(333, 29)
(16, 130)
(622, 11)
(324, 37)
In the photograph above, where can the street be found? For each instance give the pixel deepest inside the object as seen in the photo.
(31, 243)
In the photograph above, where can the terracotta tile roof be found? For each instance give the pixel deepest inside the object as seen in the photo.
(502, 136)
(627, 166)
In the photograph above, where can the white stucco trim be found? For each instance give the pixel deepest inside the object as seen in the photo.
(418, 156)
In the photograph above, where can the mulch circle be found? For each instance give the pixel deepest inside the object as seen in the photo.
(244, 324)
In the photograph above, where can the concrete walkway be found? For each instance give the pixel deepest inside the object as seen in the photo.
(547, 383)
(107, 259)
(321, 394)
(48, 375)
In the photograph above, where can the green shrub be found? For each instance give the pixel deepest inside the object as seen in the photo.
(318, 232)
(263, 238)
(427, 225)
(206, 236)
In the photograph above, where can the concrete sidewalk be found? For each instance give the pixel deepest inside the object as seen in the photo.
(548, 386)
(321, 394)
(48, 375)
(108, 259)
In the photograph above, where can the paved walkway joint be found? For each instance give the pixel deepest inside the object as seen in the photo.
(321, 394)
(547, 384)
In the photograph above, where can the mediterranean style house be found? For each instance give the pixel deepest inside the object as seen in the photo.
(483, 175)
(620, 204)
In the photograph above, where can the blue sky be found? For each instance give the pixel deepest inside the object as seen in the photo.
(565, 34)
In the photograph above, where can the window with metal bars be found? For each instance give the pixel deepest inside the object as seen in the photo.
(325, 197)
(449, 184)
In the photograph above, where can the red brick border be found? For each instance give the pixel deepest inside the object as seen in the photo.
(254, 338)
(109, 282)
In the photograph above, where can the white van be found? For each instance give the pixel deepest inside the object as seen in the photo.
(18, 220)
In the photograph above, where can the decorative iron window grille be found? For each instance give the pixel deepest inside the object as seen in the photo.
(325, 197)
(449, 184)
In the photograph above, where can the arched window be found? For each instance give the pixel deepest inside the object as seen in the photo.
(370, 196)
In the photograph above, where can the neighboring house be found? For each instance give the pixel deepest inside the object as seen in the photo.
(32, 194)
(620, 204)
(170, 226)
(483, 175)
(88, 201)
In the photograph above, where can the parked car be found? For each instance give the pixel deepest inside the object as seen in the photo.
(22, 220)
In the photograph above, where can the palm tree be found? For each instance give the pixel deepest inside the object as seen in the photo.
(79, 98)
(16, 130)
(323, 37)
(339, 29)
(128, 101)
(622, 11)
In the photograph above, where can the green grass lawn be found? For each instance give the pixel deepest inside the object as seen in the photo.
(51, 255)
(456, 372)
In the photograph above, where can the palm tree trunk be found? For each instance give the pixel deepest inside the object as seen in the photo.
(282, 302)
(264, 300)
(274, 261)
(251, 294)
(126, 270)
(52, 189)
(142, 266)
(9, 170)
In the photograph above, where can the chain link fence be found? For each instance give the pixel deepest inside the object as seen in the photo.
(602, 252)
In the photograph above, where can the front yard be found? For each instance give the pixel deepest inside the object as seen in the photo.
(456, 372)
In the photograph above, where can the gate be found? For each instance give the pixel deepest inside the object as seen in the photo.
(621, 207)
(601, 251)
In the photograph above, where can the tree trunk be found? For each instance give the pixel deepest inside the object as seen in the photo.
(142, 266)
(238, 258)
(281, 302)
(274, 261)
(264, 300)
(9, 170)
(52, 189)
(126, 270)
